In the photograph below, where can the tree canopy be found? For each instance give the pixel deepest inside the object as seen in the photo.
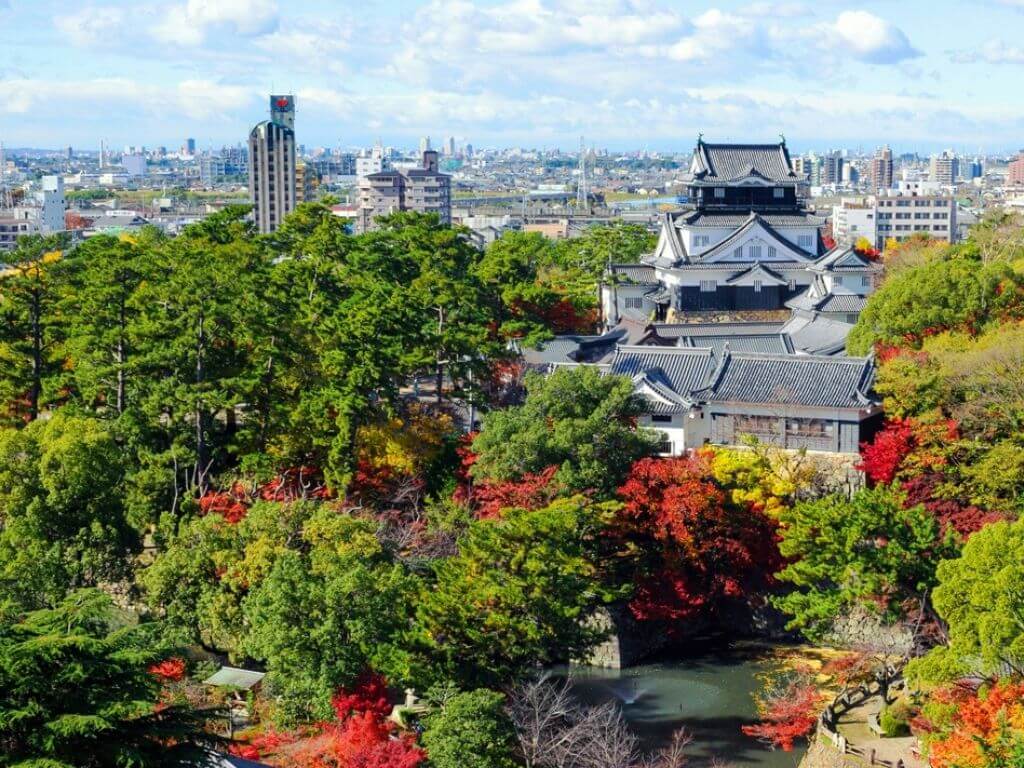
(576, 419)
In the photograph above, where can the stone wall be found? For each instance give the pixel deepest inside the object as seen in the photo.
(628, 641)
(860, 629)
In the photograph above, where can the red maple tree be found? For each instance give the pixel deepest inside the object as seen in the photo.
(531, 491)
(788, 712)
(169, 670)
(369, 694)
(363, 740)
(883, 456)
(702, 549)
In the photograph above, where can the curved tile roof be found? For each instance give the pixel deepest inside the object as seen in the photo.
(727, 162)
(802, 380)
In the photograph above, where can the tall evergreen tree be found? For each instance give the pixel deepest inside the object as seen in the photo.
(29, 359)
(76, 691)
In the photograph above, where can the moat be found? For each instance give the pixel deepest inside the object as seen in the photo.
(708, 692)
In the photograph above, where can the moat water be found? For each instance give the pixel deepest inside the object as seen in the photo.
(709, 692)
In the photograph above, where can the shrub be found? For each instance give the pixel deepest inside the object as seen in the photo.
(894, 720)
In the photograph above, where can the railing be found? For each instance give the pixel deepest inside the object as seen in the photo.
(842, 703)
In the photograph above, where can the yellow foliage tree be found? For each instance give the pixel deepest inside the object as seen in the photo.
(764, 477)
(404, 444)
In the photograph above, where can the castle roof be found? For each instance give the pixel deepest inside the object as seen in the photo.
(721, 163)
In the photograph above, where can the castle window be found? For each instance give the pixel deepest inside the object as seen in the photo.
(755, 251)
(771, 251)
(778, 192)
(720, 192)
(738, 253)
(804, 241)
(757, 286)
(633, 302)
(708, 286)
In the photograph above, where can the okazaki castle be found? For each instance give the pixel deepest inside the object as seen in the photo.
(735, 326)
(743, 249)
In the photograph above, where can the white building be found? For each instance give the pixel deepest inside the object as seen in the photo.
(899, 216)
(853, 219)
(52, 205)
(134, 165)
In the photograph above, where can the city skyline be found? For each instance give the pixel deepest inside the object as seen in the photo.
(537, 73)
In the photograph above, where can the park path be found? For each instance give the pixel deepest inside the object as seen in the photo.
(853, 724)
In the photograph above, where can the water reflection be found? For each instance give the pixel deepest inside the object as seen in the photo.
(709, 692)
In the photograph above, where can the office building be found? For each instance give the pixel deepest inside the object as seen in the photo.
(422, 189)
(832, 169)
(375, 162)
(134, 164)
(12, 227)
(306, 182)
(271, 174)
(282, 110)
(899, 215)
(424, 145)
(189, 147)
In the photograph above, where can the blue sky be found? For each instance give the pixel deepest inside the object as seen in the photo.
(625, 73)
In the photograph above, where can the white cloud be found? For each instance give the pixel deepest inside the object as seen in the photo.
(322, 45)
(998, 52)
(188, 23)
(91, 26)
(197, 99)
(873, 39)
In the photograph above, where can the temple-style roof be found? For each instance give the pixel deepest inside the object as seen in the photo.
(841, 259)
(642, 274)
(820, 298)
(755, 221)
(737, 218)
(757, 272)
(765, 343)
(818, 334)
(234, 677)
(578, 348)
(799, 380)
(720, 163)
(673, 331)
(671, 372)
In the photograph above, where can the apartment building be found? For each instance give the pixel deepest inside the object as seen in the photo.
(944, 169)
(854, 218)
(881, 169)
(423, 189)
(1015, 175)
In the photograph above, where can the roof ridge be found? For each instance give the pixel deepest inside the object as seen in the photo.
(804, 358)
(646, 349)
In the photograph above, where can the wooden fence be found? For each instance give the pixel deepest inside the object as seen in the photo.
(829, 719)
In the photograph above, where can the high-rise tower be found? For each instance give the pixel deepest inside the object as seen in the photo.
(272, 165)
(282, 110)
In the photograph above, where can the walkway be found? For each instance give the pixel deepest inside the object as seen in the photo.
(853, 724)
